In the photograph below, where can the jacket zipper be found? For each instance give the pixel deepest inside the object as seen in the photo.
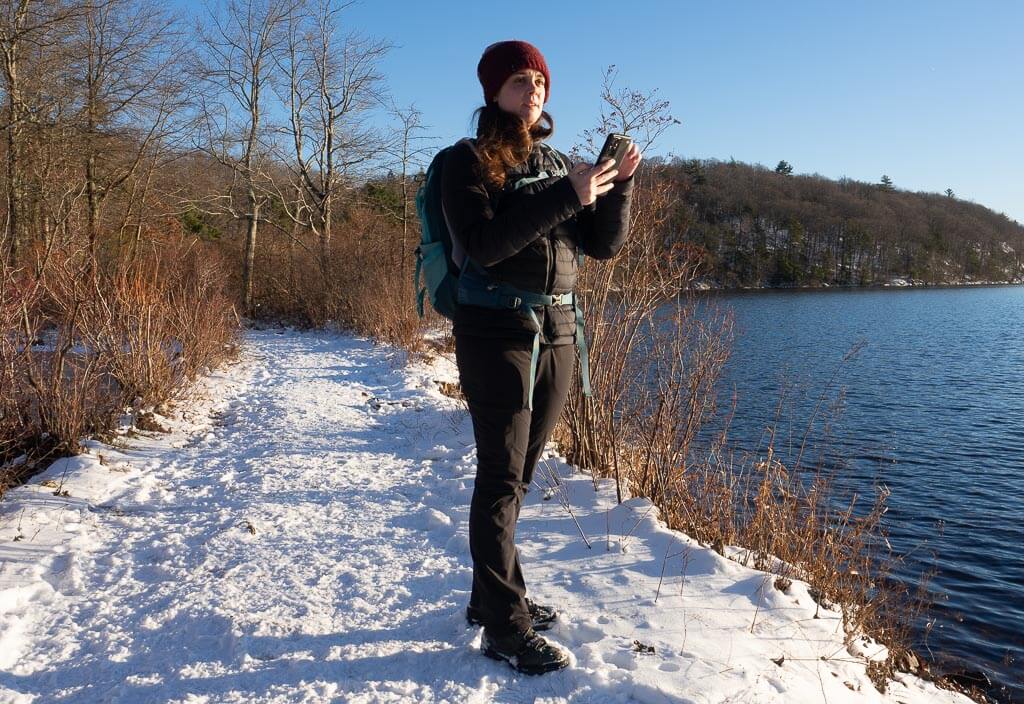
(549, 267)
(549, 283)
(549, 275)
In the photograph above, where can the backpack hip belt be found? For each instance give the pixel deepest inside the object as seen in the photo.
(475, 292)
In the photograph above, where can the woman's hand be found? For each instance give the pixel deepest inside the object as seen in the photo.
(629, 162)
(592, 181)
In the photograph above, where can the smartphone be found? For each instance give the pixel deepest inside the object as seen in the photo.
(615, 147)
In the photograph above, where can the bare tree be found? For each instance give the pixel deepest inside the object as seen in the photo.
(643, 116)
(236, 63)
(625, 429)
(333, 82)
(28, 29)
(131, 74)
(407, 155)
(60, 188)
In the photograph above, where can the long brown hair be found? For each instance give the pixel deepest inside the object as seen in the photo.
(503, 140)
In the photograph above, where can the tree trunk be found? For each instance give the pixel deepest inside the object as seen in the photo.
(249, 262)
(14, 131)
(325, 240)
(405, 218)
(13, 186)
(92, 203)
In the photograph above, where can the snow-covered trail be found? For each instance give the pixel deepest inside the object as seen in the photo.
(300, 536)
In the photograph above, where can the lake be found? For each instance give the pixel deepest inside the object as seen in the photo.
(934, 409)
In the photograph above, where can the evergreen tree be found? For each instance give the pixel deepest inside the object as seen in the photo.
(949, 193)
(886, 182)
(784, 168)
(695, 170)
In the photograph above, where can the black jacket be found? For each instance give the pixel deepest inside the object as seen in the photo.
(528, 238)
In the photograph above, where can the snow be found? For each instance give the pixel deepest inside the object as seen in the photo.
(300, 536)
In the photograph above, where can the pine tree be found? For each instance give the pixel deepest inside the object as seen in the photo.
(886, 182)
(949, 193)
(695, 170)
(784, 168)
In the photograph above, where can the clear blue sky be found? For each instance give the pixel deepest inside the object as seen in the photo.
(929, 92)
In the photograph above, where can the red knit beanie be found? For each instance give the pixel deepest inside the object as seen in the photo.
(503, 59)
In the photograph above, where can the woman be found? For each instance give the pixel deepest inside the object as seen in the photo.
(520, 223)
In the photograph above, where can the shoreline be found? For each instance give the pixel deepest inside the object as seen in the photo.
(706, 287)
(912, 412)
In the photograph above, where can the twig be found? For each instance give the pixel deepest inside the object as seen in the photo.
(687, 554)
(760, 596)
(664, 563)
(622, 540)
(558, 491)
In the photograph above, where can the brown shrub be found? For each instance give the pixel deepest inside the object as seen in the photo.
(364, 285)
(54, 391)
(79, 343)
(643, 365)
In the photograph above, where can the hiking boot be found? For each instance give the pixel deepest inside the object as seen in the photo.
(525, 652)
(543, 617)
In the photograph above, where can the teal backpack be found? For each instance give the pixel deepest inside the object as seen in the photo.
(449, 283)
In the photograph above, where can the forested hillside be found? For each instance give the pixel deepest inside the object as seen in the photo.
(761, 227)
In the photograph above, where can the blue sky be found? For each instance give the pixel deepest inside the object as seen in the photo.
(930, 93)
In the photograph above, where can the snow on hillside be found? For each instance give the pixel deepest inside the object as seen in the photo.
(300, 536)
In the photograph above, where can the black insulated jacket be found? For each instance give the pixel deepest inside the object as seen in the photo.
(528, 238)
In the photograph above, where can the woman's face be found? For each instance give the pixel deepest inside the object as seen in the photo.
(523, 94)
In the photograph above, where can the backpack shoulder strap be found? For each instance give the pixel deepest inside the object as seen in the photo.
(560, 167)
(470, 141)
(558, 171)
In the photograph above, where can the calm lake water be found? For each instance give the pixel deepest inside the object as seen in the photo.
(934, 409)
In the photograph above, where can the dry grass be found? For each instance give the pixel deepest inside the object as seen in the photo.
(623, 302)
(795, 523)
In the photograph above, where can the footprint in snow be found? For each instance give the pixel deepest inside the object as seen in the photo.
(435, 520)
(623, 659)
(458, 544)
(582, 633)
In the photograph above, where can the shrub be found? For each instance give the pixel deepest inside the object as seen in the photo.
(80, 342)
(363, 283)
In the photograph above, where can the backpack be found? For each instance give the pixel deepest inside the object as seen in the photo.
(450, 283)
